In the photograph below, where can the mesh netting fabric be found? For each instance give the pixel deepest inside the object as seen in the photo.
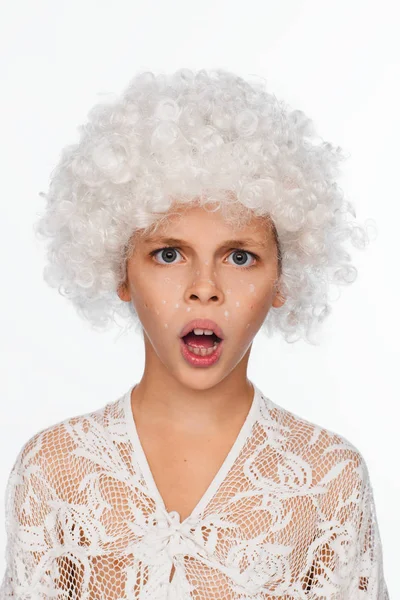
(290, 515)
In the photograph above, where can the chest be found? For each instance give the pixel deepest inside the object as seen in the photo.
(184, 466)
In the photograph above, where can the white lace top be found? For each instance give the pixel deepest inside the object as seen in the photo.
(289, 515)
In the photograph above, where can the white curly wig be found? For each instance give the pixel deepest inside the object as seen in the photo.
(209, 135)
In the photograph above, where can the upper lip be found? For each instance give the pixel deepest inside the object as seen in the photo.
(202, 324)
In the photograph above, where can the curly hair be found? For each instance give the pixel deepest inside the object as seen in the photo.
(210, 136)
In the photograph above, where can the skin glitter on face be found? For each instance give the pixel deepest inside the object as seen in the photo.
(202, 278)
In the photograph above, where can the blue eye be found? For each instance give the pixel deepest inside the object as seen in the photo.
(171, 249)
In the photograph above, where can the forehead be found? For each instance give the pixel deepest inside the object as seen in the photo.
(240, 242)
(181, 227)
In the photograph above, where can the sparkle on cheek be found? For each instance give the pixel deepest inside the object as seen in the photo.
(228, 291)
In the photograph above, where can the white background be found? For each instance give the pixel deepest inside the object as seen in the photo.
(337, 61)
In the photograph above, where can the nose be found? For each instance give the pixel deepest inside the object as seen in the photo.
(204, 287)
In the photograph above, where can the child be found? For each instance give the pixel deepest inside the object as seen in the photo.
(193, 483)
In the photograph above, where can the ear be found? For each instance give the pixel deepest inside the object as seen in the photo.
(279, 300)
(123, 292)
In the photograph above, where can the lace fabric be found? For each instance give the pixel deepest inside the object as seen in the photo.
(290, 515)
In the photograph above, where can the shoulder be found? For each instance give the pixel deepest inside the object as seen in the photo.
(318, 446)
(60, 452)
(61, 435)
(323, 464)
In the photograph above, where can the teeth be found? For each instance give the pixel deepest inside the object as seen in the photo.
(203, 331)
(202, 351)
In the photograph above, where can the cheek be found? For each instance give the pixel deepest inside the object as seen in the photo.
(163, 297)
(248, 293)
(254, 297)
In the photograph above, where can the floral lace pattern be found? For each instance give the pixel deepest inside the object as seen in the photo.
(289, 516)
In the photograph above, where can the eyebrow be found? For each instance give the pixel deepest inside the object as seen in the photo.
(228, 243)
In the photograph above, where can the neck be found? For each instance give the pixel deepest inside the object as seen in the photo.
(170, 403)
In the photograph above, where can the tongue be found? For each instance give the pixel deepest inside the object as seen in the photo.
(200, 341)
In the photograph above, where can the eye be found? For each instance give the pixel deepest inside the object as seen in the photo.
(242, 253)
(170, 250)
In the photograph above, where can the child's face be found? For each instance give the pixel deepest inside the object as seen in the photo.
(202, 279)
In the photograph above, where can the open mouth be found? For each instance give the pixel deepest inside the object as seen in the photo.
(201, 345)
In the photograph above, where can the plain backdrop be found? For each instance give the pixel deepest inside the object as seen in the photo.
(339, 62)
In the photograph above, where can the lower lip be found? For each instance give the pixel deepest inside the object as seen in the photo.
(198, 360)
